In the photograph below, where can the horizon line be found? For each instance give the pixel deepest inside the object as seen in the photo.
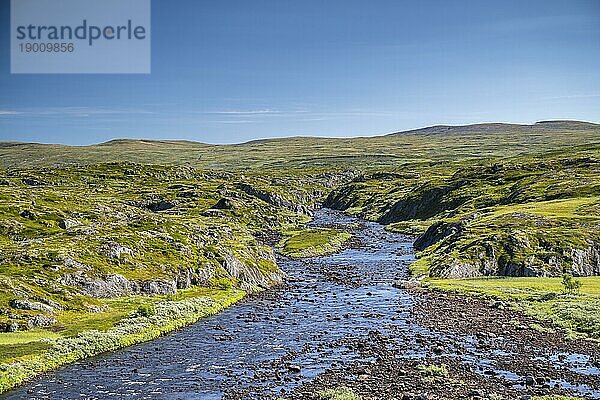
(300, 136)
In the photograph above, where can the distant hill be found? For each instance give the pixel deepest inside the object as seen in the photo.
(502, 127)
(426, 145)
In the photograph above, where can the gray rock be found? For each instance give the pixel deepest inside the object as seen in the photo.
(40, 320)
(116, 251)
(407, 284)
(158, 287)
(49, 302)
(585, 262)
(68, 223)
(212, 213)
(117, 285)
(30, 305)
(13, 327)
(70, 263)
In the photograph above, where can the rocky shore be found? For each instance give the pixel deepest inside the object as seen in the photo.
(512, 340)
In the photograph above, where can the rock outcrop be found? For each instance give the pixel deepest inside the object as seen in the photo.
(516, 253)
(585, 262)
(274, 199)
(117, 285)
(40, 320)
(251, 277)
(248, 274)
(20, 304)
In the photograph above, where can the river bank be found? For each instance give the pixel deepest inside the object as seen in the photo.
(519, 358)
(156, 318)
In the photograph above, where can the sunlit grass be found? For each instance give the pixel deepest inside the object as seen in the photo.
(543, 298)
(312, 242)
(341, 393)
(563, 208)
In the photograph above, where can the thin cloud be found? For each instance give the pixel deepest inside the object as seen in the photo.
(238, 121)
(72, 111)
(572, 96)
(242, 112)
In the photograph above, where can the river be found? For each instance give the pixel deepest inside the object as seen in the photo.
(271, 343)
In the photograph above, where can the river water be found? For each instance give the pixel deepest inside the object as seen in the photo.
(254, 349)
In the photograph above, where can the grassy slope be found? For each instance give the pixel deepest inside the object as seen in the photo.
(528, 212)
(423, 148)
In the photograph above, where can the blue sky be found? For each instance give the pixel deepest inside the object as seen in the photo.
(229, 71)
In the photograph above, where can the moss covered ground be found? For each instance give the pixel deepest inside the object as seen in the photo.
(312, 242)
(341, 393)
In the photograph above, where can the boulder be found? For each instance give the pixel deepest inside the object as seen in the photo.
(40, 320)
(20, 304)
(13, 327)
(49, 302)
(223, 204)
(116, 251)
(160, 205)
(409, 284)
(68, 223)
(212, 213)
(27, 214)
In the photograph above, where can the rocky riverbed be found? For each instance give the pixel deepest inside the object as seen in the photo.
(339, 321)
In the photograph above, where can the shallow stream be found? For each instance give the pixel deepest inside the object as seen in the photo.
(270, 343)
